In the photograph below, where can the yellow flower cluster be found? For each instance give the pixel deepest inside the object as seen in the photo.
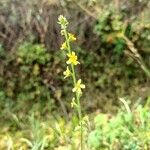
(70, 70)
(62, 21)
(71, 38)
(72, 57)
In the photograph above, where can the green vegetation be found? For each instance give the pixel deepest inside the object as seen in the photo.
(128, 129)
(43, 110)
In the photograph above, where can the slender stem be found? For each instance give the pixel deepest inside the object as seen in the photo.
(77, 95)
(80, 118)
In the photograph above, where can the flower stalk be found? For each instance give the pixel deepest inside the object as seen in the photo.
(71, 63)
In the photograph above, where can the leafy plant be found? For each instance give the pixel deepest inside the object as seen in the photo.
(28, 54)
(123, 131)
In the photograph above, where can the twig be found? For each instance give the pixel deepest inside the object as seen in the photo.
(125, 105)
(86, 10)
(136, 55)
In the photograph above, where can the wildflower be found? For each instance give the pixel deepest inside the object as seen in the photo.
(78, 87)
(62, 21)
(62, 32)
(85, 120)
(72, 59)
(72, 37)
(67, 73)
(64, 46)
(73, 103)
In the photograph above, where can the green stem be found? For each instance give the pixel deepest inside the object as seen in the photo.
(80, 119)
(77, 95)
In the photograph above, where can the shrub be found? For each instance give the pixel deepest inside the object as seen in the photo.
(127, 130)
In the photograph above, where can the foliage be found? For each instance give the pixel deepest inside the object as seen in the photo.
(125, 131)
(102, 54)
(35, 104)
(108, 25)
(116, 31)
(28, 53)
(21, 77)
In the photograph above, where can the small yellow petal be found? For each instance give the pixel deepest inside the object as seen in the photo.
(67, 73)
(79, 81)
(72, 37)
(68, 62)
(73, 53)
(74, 89)
(69, 55)
(64, 46)
(82, 86)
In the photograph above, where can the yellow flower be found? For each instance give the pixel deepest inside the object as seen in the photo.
(67, 73)
(62, 32)
(72, 37)
(72, 59)
(73, 103)
(64, 46)
(78, 87)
